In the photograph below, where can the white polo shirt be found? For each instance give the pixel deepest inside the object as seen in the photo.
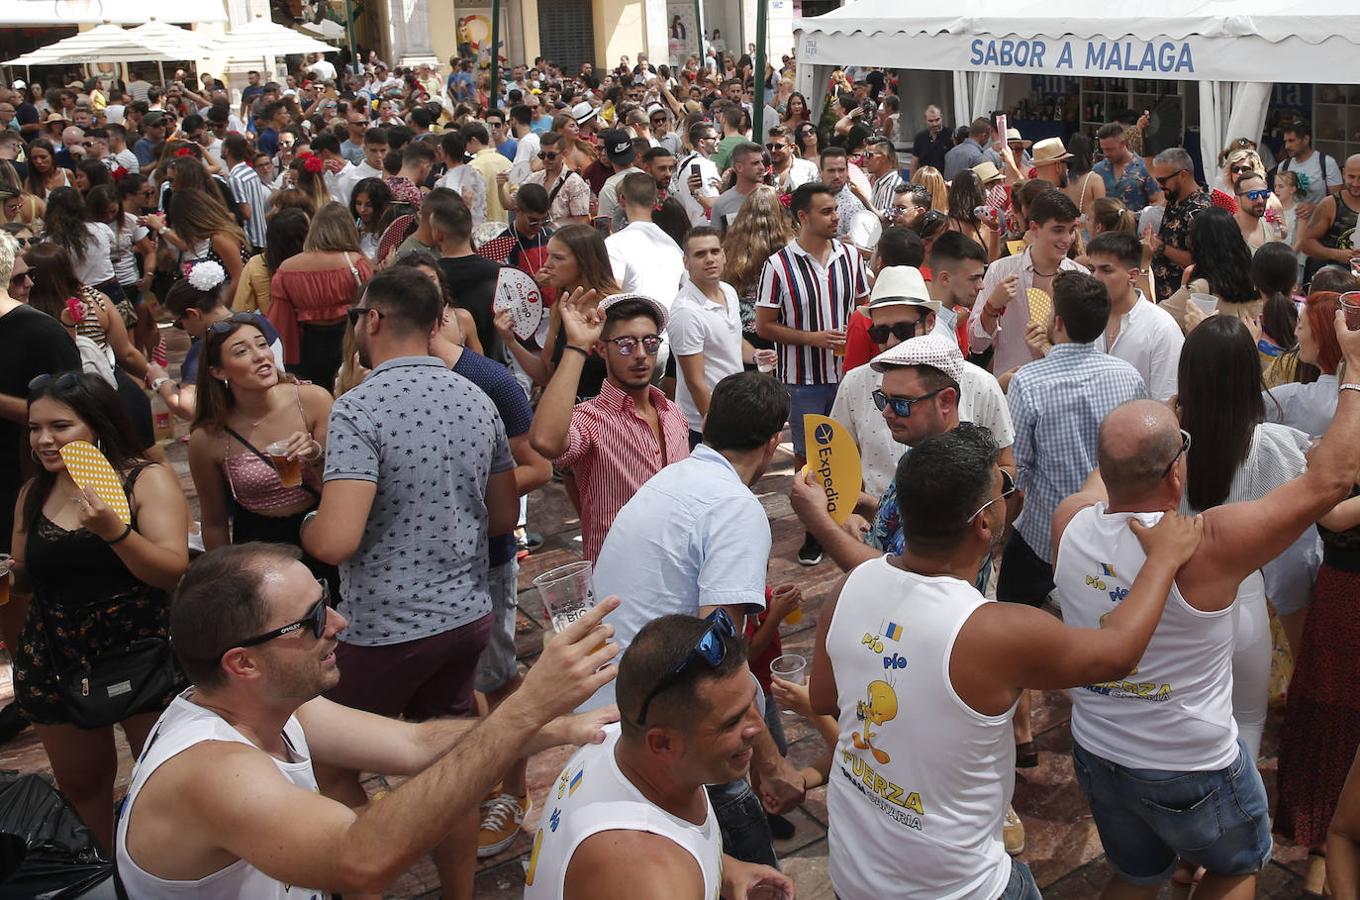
(699, 325)
(646, 261)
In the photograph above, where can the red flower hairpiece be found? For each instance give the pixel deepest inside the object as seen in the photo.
(119, 173)
(183, 151)
(314, 165)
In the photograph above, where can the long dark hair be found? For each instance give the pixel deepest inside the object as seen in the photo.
(1275, 271)
(64, 221)
(36, 183)
(213, 400)
(101, 203)
(1221, 255)
(1079, 145)
(592, 259)
(379, 197)
(95, 172)
(1219, 383)
(53, 278)
(97, 405)
(285, 233)
(966, 194)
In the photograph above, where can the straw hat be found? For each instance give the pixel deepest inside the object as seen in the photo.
(54, 117)
(1013, 137)
(1049, 150)
(988, 172)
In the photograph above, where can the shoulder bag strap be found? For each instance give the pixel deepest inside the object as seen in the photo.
(253, 449)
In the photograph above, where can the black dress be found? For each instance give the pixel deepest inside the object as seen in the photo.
(85, 603)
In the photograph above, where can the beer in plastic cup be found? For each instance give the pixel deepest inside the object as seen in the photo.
(1206, 302)
(566, 593)
(1350, 306)
(766, 360)
(791, 668)
(6, 577)
(290, 470)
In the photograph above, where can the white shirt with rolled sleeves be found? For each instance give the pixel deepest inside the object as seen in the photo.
(646, 261)
(526, 151)
(981, 401)
(709, 178)
(692, 536)
(700, 325)
(1009, 333)
(1149, 340)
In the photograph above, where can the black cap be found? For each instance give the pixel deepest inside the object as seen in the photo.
(618, 146)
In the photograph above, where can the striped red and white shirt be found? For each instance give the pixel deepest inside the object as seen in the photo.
(812, 297)
(611, 450)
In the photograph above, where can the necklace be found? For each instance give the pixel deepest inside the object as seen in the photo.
(1047, 274)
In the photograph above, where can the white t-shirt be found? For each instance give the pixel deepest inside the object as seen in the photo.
(124, 257)
(1311, 171)
(646, 261)
(322, 69)
(699, 325)
(96, 266)
(525, 152)
(708, 175)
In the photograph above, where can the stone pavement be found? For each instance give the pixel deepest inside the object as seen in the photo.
(1061, 843)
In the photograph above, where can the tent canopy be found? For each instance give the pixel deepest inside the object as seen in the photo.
(18, 13)
(109, 43)
(1209, 40)
(261, 38)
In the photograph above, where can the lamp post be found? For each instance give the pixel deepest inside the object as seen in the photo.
(758, 96)
(495, 53)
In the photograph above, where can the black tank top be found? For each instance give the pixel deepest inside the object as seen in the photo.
(1338, 237)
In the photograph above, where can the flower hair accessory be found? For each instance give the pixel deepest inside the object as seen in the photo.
(207, 275)
(314, 165)
(183, 151)
(118, 173)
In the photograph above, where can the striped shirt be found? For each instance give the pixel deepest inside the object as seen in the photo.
(611, 450)
(246, 188)
(884, 189)
(812, 297)
(1057, 404)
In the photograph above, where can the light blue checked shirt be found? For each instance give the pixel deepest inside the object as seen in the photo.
(1057, 404)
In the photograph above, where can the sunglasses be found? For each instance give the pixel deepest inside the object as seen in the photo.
(356, 313)
(710, 649)
(1165, 181)
(900, 330)
(1255, 194)
(61, 380)
(901, 406)
(315, 619)
(226, 326)
(548, 156)
(774, 147)
(650, 344)
(1007, 488)
(1185, 448)
(1241, 170)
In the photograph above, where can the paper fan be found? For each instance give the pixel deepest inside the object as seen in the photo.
(1040, 306)
(90, 469)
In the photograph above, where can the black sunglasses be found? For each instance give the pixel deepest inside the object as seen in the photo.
(1007, 488)
(356, 313)
(900, 330)
(224, 327)
(63, 380)
(1166, 180)
(901, 406)
(546, 155)
(316, 618)
(1185, 448)
(710, 649)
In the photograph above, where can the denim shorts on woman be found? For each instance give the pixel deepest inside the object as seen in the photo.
(1147, 818)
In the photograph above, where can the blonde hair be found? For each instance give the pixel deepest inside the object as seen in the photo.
(1110, 214)
(1236, 157)
(761, 228)
(332, 229)
(930, 178)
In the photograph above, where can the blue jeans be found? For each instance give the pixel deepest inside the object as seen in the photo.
(1022, 885)
(803, 399)
(1147, 818)
(745, 831)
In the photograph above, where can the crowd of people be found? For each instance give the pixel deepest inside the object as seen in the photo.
(1109, 443)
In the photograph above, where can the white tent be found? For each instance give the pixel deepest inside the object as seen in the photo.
(172, 37)
(105, 43)
(15, 14)
(326, 30)
(262, 38)
(1228, 47)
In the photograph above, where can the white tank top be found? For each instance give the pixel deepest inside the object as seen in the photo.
(920, 781)
(593, 795)
(181, 726)
(1174, 711)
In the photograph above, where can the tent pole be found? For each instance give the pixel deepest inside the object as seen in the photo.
(349, 35)
(703, 37)
(495, 53)
(160, 69)
(758, 96)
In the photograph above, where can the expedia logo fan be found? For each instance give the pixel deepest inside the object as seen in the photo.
(835, 464)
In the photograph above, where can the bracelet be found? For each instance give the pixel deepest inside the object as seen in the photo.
(127, 530)
(581, 350)
(1349, 386)
(156, 385)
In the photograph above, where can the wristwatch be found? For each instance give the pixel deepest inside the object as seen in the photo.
(156, 385)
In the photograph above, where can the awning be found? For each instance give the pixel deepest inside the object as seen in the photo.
(16, 13)
(326, 30)
(262, 38)
(1215, 40)
(111, 44)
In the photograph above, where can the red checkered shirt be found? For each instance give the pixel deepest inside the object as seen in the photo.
(611, 450)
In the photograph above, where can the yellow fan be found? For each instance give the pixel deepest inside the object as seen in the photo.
(1040, 306)
(90, 469)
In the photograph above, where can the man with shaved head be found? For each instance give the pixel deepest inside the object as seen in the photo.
(1157, 752)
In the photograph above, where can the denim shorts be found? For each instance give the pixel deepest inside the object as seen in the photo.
(1148, 818)
(804, 399)
(1022, 885)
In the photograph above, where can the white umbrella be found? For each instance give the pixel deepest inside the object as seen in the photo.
(103, 43)
(76, 12)
(262, 38)
(326, 29)
(173, 37)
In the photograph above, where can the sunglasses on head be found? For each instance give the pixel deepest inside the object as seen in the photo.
(710, 649)
(650, 344)
(226, 326)
(61, 380)
(315, 619)
(900, 330)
